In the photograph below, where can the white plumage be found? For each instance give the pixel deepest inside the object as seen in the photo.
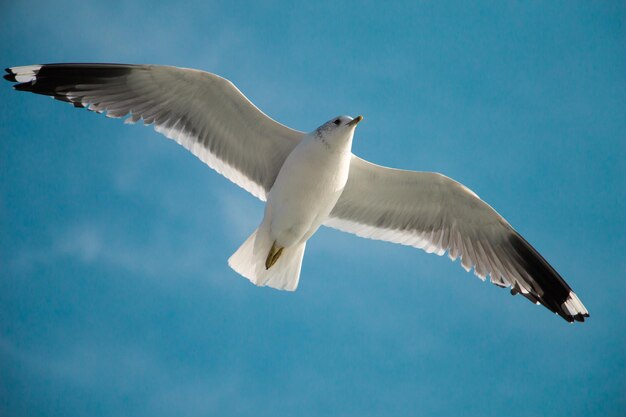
(307, 179)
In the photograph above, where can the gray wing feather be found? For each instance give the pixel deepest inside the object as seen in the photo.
(203, 112)
(437, 214)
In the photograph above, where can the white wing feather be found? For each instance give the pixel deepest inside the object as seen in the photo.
(203, 112)
(432, 212)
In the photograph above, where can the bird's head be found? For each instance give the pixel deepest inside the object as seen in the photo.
(338, 130)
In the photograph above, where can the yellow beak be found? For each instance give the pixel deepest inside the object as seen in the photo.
(355, 121)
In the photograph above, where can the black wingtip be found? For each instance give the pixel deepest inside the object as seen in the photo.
(10, 75)
(549, 288)
(56, 79)
(577, 317)
(23, 87)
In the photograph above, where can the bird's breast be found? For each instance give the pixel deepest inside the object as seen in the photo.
(304, 193)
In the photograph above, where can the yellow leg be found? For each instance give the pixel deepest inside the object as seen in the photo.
(273, 256)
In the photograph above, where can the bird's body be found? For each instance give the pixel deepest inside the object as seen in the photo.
(307, 188)
(308, 180)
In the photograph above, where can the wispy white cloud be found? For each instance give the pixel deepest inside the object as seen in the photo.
(128, 370)
(103, 30)
(90, 243)
(241, 215)
(198, 396)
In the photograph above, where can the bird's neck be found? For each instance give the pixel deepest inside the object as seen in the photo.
(335, 144)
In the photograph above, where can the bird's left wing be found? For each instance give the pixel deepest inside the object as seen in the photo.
(432, 212)
(203, 112)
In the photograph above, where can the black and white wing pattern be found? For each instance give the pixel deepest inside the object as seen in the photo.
(432, 212)
(203, 112)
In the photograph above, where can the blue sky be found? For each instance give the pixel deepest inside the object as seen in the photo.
(115, 295)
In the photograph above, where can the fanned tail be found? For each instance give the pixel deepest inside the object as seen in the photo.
(249, 261)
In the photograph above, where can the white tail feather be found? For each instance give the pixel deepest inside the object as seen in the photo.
(249, 261)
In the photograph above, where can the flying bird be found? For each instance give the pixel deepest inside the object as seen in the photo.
(306, 179)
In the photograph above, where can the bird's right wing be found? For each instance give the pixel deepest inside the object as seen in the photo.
(432, 212)
(203, 112)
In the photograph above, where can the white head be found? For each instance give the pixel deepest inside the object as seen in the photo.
(337, 132)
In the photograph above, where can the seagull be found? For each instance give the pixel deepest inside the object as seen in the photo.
(306, 179)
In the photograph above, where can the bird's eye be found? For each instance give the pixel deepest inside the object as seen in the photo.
(337, 122)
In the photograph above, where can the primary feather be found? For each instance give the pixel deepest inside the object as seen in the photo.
(203, 112)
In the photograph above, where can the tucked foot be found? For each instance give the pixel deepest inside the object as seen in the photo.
(273, 256)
